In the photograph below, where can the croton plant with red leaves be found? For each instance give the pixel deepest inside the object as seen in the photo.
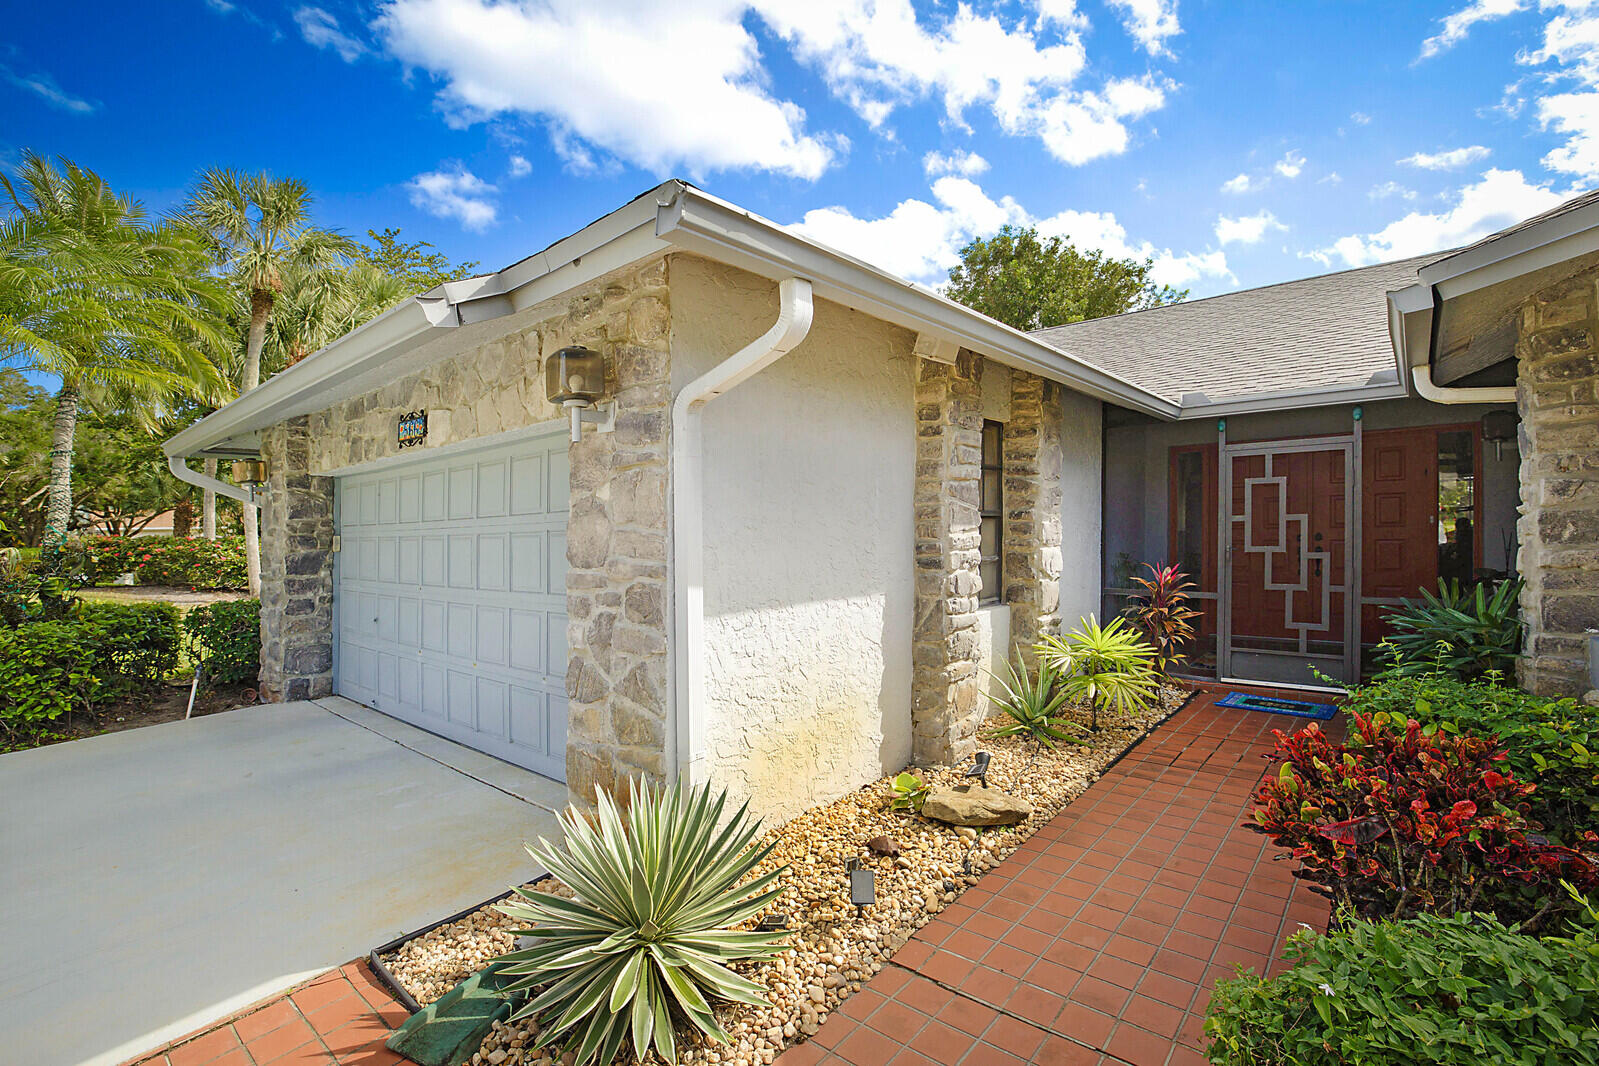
(1399, 821)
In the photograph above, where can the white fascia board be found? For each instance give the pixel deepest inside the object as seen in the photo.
(372, 354)
(1540, 245)
(716, 229)
(1294, 400)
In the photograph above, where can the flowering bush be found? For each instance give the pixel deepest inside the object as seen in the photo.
(170, 560)
(1402, 820)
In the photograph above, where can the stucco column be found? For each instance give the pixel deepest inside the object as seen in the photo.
(296, 569)
(1558, 397)
(1032, 464)
(946, 701)
(616, 548)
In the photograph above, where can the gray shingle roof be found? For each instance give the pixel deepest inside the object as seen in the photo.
(1320, 332)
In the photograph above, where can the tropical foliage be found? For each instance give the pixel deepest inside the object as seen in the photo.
(646, 937)
(224, 640)
(1032, 700)
(1471, 634)
(910, 792)
(1107, 667)
(1162, 614)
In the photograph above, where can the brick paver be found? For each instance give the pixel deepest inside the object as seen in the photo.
(342, 1017)
(1100, 938)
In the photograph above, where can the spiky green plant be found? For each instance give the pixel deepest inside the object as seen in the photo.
(1032, 700)
(645, 938)
(1108, 666)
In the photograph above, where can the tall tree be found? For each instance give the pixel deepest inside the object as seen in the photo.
(1034, 282)
(260, 228)
(95, 293)
(414, 263)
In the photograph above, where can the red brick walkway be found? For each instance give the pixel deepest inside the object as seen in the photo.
(341, 1017)
(1099, 939)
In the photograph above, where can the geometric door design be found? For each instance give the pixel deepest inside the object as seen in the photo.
(451, 597)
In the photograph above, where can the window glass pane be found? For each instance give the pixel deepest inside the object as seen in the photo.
(991, 492)
(990, 575)
(992, 452)
(1457, 503)
(990, 533)
(1190, 514)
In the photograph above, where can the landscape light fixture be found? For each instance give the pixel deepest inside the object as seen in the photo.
(772, 923)
(862, 884)
(979, 768)
(1498, 427)
(574, 378)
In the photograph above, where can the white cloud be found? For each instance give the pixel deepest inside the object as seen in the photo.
(455, 192)
(1501, 198)
(321, 30)
(1291, 164)
(520, 167)
(1389, 189)
(44, 86)
(661, 86)
(921, 240)
(967, 164)
(1446, 160)
(1150, 22)
(1241, 184)
(1360, 118)
(1332, 177)
(1458, 24)
(1248, 229)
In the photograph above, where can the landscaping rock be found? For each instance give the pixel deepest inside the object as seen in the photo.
(885, 846)
(975, 805)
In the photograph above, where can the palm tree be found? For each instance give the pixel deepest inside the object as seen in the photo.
(121, 309)
(260, 229)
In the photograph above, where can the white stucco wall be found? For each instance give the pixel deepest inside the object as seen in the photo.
(1081, 518)
(809, 475)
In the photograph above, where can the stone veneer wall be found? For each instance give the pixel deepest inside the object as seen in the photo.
(1558, 396)
(296, 569)
(1032, 463)
(616, 546)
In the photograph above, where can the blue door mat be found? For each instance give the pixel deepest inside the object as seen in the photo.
(1273, 705)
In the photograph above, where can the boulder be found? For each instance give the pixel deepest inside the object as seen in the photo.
(975, 805)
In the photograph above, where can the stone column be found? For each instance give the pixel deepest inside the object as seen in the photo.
(1557, 378)
(946, 701)
(296, 569)
(1032, 466)
(616, 549)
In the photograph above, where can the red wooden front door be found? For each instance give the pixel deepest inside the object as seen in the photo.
(1399, 520)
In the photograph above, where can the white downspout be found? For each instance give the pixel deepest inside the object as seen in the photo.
(687, 757)
(179, 466)
(1422, 376)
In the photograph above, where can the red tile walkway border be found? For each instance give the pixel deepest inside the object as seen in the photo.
(1100, 938)
(342, 1017)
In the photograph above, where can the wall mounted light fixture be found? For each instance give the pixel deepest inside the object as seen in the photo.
(250, 471)
(574, 377)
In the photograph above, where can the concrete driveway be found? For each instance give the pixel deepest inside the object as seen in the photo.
(154, 880)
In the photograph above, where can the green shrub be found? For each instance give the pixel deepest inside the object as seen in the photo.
(191, 562)
(646, 936)
(138, 642)
(1469, 633)
(1107, 666)
(1456, 991)
(46, 670)
(1033, 702)
(1549, 742)
(225, 639)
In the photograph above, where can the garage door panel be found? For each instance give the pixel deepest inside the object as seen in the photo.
(451, 598)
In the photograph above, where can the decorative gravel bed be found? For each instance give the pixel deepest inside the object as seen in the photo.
(837, 947)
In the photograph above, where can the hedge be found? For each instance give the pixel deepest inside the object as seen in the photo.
(225, 638)
(180, 561)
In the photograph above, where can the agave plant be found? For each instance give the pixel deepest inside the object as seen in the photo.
(1162, 614)
(1469, 634)
(1108, 666)
(645, 939)
(1032, 702)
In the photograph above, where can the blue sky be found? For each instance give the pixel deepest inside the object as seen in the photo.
(1235, 143)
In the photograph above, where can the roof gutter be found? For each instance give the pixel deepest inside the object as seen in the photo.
(1414, 314)
(794, 314)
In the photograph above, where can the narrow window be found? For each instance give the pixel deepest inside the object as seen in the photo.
(990, 512)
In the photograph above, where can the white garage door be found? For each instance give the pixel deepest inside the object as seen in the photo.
(452, 597)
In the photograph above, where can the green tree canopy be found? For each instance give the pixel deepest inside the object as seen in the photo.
(1034, 282)
(413, 263)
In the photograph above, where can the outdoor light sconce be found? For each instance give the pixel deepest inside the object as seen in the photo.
(250, 472)
(979, 768)
(1498, 427)
(862, 884)
(575, 378)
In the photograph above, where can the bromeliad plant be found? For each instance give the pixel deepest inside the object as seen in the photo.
(1468, 634)
(645, 938)
(1032, 701)
(1162, 614)
(1107, 666)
